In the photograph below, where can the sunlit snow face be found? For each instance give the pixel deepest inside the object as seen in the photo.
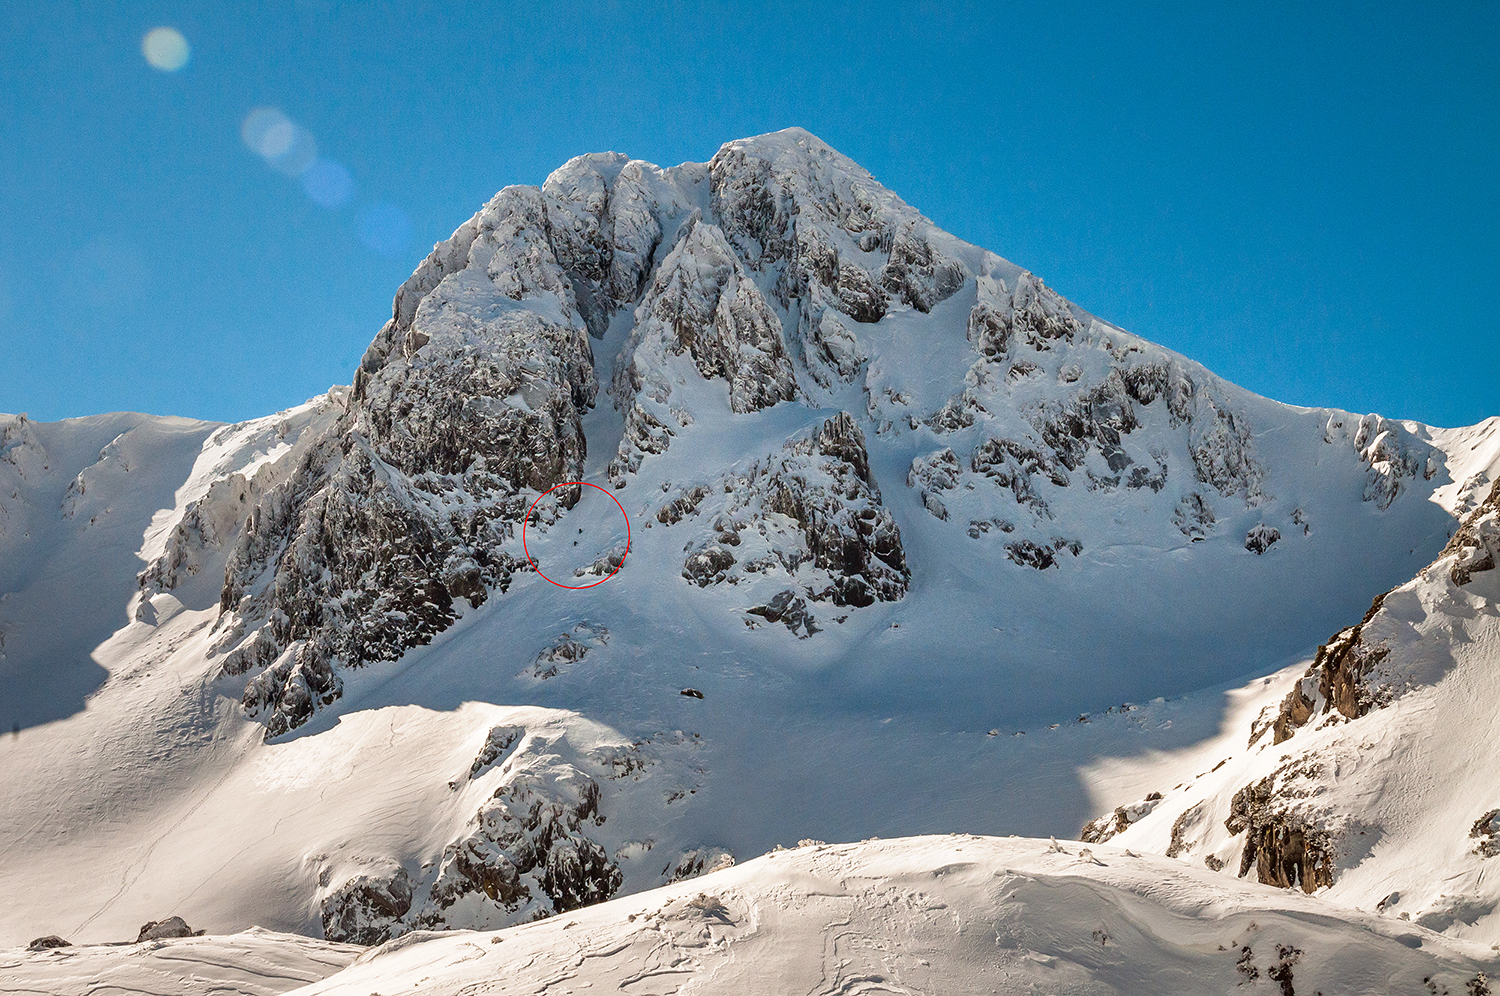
(165, 49)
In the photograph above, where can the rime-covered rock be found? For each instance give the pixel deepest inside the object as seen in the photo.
(527, 851)
(810, 511)
(1260, 537)
(703, 305)
(172, 926)
(1394, 454)
(1105, 827)
(366, 908)
(789, 609)
(1193, 516)
(568, 649)
(532, 847)
(1026, 312)
(695, 862)
(920, 274)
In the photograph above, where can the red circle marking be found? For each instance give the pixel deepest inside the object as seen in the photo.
(526, 521)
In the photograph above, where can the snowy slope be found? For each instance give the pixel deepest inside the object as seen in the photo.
(1366, 776)
(887, 494)
(254, 963)
(76, 498)
(953, 914)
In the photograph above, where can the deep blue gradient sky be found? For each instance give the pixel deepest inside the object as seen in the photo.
(1303, 199)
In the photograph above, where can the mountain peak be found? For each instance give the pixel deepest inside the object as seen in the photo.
(791, 143)
(820, 467)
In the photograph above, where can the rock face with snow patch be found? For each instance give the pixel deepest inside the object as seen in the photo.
(535, 846)
(364, 909)
(372, 536)
(1285, 847)
(810, 514)
(527, 851)
(702, 305)
(1099, 830)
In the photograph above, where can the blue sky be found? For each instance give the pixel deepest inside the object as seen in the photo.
(1303, 199)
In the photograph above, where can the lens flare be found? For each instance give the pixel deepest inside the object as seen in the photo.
(279, 140)
(328, 183)
(258, 125)
(385, 228)
(165, 49)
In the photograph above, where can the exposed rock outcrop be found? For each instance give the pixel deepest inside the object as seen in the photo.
(789, 609)
(1260, 537)
(1281, 843)
(1089, 438)
(527, 850)
(933, 474)
(532, 847)
(48, 943)
(367, 908)
(811, 511)
(1486, 831)
(918, 273)
(1335, 680)
(702, 304)
(172, 926)
(1476, 545)
(698, 861)
(1393, 453)
(1193, 516)
(1102, 828)
(1027, 313)
(568, 649)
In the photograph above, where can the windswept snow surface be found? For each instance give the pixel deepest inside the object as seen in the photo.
(953, 914)
(1099, 541)
(254, 962)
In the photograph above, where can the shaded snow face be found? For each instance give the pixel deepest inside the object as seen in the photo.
(1365, 776)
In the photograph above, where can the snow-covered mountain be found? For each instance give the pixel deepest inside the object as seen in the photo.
(891, 502)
